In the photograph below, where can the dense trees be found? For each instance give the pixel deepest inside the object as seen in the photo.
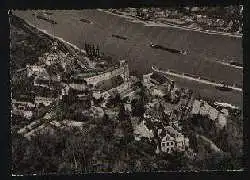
(228, 139)
(114, 100)
(97, 149)
(138, 108)
(30, 46)
(94, 149)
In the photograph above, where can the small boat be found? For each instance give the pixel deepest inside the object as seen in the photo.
(156, 46)
(119, 37)
(46, 19)
(183, 52)
(234, 63)
(85, 21)
(224, 87)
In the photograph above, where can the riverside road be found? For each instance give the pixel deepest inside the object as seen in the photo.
(205, 51)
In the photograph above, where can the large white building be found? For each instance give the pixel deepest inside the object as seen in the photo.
(24, 109)
(173, 140)
(203, 108)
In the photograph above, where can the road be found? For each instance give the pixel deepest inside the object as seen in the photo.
(204, 49)
(183, 76)
(213, 146)
(208, 90)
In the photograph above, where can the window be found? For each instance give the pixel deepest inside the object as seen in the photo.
(21, 107)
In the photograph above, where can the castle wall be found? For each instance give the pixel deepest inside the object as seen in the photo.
(122, 70)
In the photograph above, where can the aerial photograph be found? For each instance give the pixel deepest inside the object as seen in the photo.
(145, 89)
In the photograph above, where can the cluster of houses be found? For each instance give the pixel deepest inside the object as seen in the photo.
(166, 107)
(90, 90)
(80, 87)
(192, 17)
(218, 112)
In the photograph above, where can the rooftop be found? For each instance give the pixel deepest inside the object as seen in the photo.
(142, 130)
(172, 131)
(159, 77)
(167, 138)
(46, 92)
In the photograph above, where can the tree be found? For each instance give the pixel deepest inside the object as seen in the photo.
(167, 97)
(37, 155)
(114, 100)
(137, 108)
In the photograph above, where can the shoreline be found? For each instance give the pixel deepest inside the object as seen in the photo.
(152, 24)
(194, 79)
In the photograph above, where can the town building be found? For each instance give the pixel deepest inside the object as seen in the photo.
(167, 144)
(171, 140)
(141, 130)
(34, 70)
(202, 108)
(24, 109)
(78, 84)
(45, 96)
(45, 101)
(180, 141)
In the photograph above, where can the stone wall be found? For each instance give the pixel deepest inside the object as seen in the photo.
(122, 70)
(43, 100)
(79, 87)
